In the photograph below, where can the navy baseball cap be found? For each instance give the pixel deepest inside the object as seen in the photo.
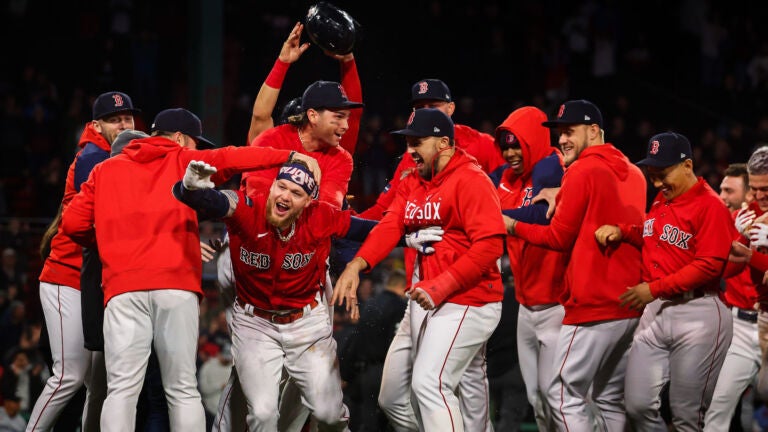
(111, 103)
(667, 149)
(326, 94)
(578, 111)
(430, 89)
(181, 120)
(425, 122)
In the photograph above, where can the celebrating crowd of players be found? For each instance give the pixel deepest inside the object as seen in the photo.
(617, 289)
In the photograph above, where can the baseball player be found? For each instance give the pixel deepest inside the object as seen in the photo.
(742, 361)
(279, 275)
(750, 222)
(149, 246)
(434, 93)
(600, 186)
(266, 99)
(319, 130)
(456, 302)
(685, 330)
(60, 281)
(538, 272)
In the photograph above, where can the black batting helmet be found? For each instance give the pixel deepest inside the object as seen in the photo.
(331, 28)
(291, 108)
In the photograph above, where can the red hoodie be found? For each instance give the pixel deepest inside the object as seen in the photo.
(600, 188)
(538, 271)
(147, 238)
(62, 267)
(459, 199)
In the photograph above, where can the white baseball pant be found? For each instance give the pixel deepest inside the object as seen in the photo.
(683, 343)
(426, 361)
(588, 383)
(306, 349)
(738, 372)
(73, 364)
(133, 322)
(537, 334)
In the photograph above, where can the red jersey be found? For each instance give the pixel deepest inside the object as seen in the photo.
(461, 200)
(481, 146)
(272, 274)
(62, 267)
(147, 238)
(758, 265)
(686, 242)
(602, 187)
(335, 163)
(538, 271)
(350, 81)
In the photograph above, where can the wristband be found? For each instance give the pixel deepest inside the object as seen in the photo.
(277, 74)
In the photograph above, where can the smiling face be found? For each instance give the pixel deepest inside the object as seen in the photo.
(285, 203)
(512, 152)
(674, 180)
(758, 185)
(109, 127)
(328, 126)
(425, 152)
(573, 139)
(733, 192)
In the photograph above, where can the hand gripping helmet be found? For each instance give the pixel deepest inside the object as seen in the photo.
(331, 28)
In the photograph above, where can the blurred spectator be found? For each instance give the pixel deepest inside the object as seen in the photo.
(12, 324)
(10, 272)
(362, 357)
(23, 378)
(11, 419)
(212, 377)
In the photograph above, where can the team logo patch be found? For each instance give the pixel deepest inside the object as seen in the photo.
(423, 87)
(654, 147)
(675, 236)
(410, 118)
(343, 92)
(561, 111)
(118, 100)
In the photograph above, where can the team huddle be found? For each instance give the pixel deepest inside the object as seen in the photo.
(617, 290)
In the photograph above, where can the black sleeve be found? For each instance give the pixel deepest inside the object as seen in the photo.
(209, 203)
(359, 229)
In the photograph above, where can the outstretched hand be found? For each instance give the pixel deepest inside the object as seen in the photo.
(198, 176)
(345, 290)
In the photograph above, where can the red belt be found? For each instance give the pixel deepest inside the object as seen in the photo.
(278, 317)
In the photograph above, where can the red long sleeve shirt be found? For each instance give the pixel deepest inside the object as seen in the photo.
(686, 241)
(147, 238)
(462, 201)
(600, 188)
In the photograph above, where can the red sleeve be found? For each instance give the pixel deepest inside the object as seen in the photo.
(561, 233)
(484, 226)
(337, 171)
(78, 218)
(490, 157)
(232, 160)
(376, 211)
(385, 236)
(711, 254)
(350, 81)
(632, 234)
(759, 261)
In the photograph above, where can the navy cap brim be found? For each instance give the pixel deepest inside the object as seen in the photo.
(407, 132)
(107, 114)
(556, 123)
(204, 144)
(655, 163)
(348, 104)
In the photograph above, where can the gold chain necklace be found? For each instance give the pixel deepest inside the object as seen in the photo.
(290, 234)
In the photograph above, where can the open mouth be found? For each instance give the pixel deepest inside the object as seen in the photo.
(281, 209)
(515, 163)
(419, 161)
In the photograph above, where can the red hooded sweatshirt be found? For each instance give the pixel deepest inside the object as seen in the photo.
(538, 271)
(147, 238)
(460, 199)
(62, 267)
(602, 187)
